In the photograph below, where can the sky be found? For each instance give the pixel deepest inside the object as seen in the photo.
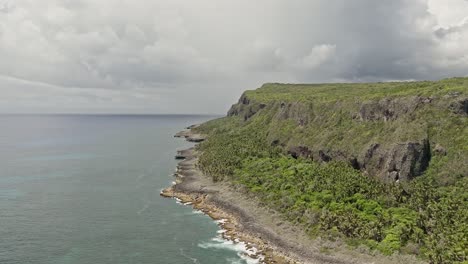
(197, 57)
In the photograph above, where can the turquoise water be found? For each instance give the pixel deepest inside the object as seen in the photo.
(85, 189)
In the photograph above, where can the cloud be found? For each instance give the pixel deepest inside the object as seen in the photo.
(318, 55)
(20, 96)
(198, 56)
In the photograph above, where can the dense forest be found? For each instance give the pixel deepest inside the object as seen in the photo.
(382, 165)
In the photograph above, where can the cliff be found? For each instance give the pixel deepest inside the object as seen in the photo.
(387, 130)
(382, 165)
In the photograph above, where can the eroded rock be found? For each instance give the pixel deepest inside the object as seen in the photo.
(390, 109)
(438, 149)
(297, 111)
(398, 162)
(324, 156)
(460, 106)
(245, 108)
(300, 151)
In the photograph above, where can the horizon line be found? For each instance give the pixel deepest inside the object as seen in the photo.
(115, 114)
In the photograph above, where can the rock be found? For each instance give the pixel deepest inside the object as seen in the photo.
(393, 176)
(438, 149)
(354, 163)
(453, 94)
(299, 112)
(399, 162)
(324, 157)
(245, 108)
(179, 157)
(193, 126)
(275, 142)
(371, 151)
(183, 134)
(459, 107)
(300, 151)
(390, 109)
(190, 136)
(427, 100)
(196, 138)
(183, 154)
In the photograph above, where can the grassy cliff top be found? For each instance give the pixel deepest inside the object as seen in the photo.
(360, 91)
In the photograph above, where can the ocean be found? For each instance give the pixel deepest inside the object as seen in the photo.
(78, 189)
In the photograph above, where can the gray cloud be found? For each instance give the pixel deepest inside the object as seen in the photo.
(197, 56)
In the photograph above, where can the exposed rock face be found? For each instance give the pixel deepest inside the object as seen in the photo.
(190, 136)
(440, 150)
(183, 154)
(390, 109)
(300, 151)
(464, 109)
(460, 106)
(299, 112)
(245, 108)
(399, 162)
(196, 138)
(402, 161)
(323, 156)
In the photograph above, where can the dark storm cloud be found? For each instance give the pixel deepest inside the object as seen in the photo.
(159, 56)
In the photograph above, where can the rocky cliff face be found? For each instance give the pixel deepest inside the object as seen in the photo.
(247, 108)
(393, 131)
(391, 160)
(402, 161)
(244, 108)
(299, 112)
(390, 109)
(460, 106)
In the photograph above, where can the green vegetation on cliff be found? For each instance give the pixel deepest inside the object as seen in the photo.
(381, 164)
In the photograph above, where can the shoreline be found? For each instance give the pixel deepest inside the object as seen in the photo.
(263, 231)
(205, 200)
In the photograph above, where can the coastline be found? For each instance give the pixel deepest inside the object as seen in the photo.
(191, 189)
(244, 219)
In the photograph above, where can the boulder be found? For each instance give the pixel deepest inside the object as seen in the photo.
(460, 106)
(439, 150)
(399, 162)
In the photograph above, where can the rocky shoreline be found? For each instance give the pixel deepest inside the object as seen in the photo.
(190, 190)
(244, 219)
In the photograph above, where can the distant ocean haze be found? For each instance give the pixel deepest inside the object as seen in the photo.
(85, 189)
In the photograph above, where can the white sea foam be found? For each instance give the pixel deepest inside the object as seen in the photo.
(218, 242)
(179, 201)
(241, 248)
(242, 261)
(182, 253)
(234, 261)
(221, 221)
